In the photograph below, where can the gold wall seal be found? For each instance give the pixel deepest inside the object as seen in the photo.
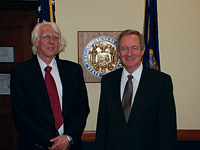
(100, 56)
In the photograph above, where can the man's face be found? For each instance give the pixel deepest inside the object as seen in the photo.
(48, 45)
(130, 52)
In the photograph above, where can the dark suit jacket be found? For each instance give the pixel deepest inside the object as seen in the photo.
(152, 122)
(32, 109)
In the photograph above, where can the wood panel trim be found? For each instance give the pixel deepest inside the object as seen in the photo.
(18, 5)
(88, 136)
(186, 134)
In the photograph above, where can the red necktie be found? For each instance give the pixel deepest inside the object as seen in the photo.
(54, 98)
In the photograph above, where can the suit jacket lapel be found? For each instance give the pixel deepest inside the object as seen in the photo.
(65, 78)
(116, 82)
(35, 72)
(140, 96)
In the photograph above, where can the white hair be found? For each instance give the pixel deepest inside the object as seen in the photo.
(35, 36)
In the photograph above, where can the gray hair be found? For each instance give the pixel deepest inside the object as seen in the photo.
(130, 32)
(35, 36)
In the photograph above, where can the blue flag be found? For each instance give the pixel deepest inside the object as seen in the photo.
(46, 11)
(151, 56)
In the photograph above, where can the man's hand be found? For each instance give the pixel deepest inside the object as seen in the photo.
(60, 143)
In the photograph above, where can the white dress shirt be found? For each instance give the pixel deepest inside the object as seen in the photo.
(56, 76)
(136, 79)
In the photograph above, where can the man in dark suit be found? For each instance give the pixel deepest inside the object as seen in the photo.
(31, 101)
(150, 121)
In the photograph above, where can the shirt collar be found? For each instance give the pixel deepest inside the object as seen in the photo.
(136, 74)
(43, 64)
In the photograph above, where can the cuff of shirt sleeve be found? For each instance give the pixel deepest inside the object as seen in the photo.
(70, 139)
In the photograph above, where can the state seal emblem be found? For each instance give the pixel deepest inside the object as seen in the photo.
(100, 56)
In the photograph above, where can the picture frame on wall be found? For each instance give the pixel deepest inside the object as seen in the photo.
(7, 54)
(4, 84)
(97, 54)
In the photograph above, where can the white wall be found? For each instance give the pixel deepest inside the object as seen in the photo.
(178, 22)
(179, 46)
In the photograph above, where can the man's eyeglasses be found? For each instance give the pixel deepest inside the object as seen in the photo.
(48, 37)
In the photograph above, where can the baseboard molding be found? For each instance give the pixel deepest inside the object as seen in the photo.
(88, 136)
(185, 134)
(188, 134)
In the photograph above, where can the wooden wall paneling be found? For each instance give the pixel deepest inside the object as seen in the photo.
(16, 32)
(17, 22)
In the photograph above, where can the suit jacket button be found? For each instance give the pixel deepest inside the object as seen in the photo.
(127, 128)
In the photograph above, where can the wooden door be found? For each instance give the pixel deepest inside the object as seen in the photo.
(16, 23)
